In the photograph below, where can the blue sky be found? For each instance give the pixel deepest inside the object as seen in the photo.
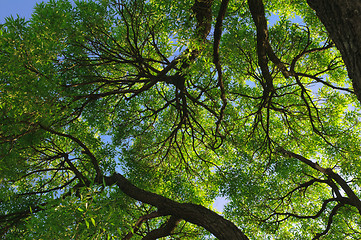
(23, 8)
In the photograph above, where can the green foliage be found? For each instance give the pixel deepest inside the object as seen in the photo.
(130, 85)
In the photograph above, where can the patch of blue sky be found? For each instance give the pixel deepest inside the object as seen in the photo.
(274, 18)
(21, 8)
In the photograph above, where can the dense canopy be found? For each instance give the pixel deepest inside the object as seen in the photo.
(129, 119)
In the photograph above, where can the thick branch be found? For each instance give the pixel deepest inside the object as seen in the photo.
(257, 10)
(140, 222)
(258, 14)
(203, 12)
(216, 60)
(355, 201)
(330, 219)
(196, 214)
(342, 20)
(165, 230)
(81, 144)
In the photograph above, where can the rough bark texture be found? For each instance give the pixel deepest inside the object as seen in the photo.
(196, 214)
(342, 19)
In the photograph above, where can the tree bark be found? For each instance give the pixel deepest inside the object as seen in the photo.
(193, 213)
(342, 19)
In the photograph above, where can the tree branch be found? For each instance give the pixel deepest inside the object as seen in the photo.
(192, 213)
(330, 219)
(164, 231)
(354, 200)
(81, 144)
(140, 222)
(216, 60)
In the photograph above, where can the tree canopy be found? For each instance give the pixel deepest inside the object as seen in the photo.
(128, 119)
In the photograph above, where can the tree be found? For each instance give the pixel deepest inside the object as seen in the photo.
(341, 19)
(126, 119)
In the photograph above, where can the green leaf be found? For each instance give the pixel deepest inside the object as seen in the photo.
(86, 223)
(93, 221)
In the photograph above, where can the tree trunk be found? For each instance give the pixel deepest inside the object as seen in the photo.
(196, 214)
(342, 19)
